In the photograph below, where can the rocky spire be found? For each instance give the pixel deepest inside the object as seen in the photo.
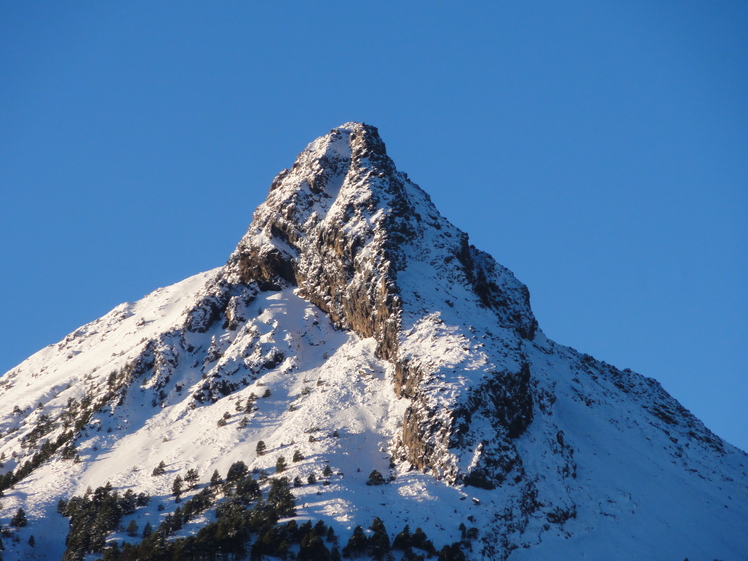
(367, 246)
(342, 224)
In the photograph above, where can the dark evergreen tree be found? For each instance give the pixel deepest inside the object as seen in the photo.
(191, 478)
(160, 469)
(410, 555)
(403, 540)
(304, 529)
(320, 528)
(297, 456)
(68, 452)
(280, 465)
(420, 541)
(379, 542)
(177, 519)
(19, 519)
(376, 478)
(260, 449)
(176, 486)
(132, 528)
(237, 470)
(452, 553)
(247, 490)
(281, 498)
(215, 479)
(357, 543)
(313, 548)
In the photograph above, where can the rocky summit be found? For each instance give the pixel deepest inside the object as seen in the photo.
(357, 381)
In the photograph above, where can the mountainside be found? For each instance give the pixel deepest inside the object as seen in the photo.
(358, 335)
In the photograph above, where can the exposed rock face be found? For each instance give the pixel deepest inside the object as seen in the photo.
(332, 226)
(343, 225)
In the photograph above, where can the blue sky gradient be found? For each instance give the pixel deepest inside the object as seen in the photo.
(598, 150)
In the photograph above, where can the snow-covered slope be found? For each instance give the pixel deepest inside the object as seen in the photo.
(355, 329)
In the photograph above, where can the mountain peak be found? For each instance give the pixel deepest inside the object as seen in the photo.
(352, 139)
(356, 328)
(350, 231)
(351, 144)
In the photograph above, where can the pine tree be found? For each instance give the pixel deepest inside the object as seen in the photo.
(297, 456)
(420, 541)
(452, 553)
(176, 487)
(375, 478)
(260, 448)
(237, 470)
(379, 542)
(320, 528)
(160, 469)
(312, 548)
(191, 478)
(19, 519)
(215, 479)
(281, 498)
(177, 519)
(280, 465)
(403, 540)
(327, 472)
(132, 528)
(356, 544)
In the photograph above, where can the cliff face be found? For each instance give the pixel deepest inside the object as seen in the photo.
(355, 325)
(332, 226)
(367, 246)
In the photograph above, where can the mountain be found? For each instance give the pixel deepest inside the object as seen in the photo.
(358, 335)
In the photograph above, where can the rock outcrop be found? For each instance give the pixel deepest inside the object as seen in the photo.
(346, 228)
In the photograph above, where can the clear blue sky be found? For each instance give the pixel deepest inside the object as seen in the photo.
(597, 149)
